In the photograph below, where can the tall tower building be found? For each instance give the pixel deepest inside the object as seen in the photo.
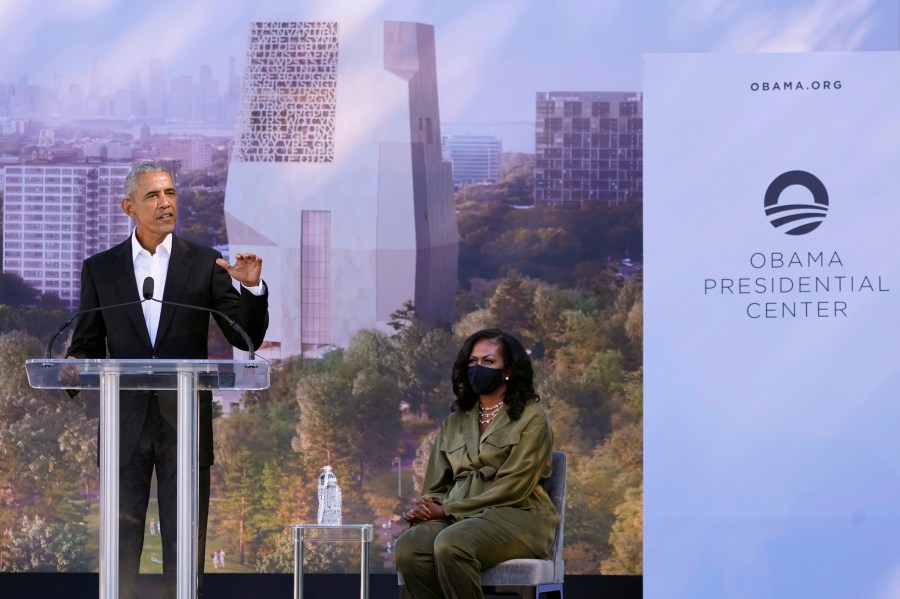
(156, 91)
(181, 98)
(54, 216)
(208, 100)
(589, 147)
(138, 99)
(475, 158)
(234, 92)
(337, 179)
(96, 91)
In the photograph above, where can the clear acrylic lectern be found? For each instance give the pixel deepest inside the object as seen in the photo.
(185, 376)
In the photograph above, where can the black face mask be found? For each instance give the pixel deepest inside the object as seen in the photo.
(484, 380)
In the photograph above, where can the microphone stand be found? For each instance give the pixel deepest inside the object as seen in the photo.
(231, 323)
(147, 292)
(64, 325)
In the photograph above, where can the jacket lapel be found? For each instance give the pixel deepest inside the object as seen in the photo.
(177, 275)
(471, 434)
(501, 420)
(122, 275)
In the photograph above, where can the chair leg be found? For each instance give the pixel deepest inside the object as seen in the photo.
(519, 591)
(550, 591)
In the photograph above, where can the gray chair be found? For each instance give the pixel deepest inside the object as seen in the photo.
(531, 578)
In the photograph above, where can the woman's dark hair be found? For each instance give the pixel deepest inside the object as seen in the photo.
(519, 387)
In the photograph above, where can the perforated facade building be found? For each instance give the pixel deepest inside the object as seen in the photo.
(337, 179)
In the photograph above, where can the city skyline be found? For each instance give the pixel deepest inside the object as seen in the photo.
(489, 61)
(151, 96)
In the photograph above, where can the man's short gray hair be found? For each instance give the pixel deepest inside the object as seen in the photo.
(146, 167)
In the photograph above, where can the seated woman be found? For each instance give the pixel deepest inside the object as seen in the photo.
(482, 502)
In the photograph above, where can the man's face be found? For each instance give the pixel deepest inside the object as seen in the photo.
(153, 206)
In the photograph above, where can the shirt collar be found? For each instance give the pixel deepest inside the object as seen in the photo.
(137, 248)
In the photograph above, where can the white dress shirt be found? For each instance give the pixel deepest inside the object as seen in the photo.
(156, 265)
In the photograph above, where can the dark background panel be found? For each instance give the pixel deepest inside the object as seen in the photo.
(265, 586)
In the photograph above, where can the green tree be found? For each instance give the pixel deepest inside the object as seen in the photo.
(34, 470)
(350, 417)
(369, 349)
(599, 484)
(634, 326)
(424, 358)
(23, 462)
(548, 305)
(568, 434)
(242, 444)
(474, 322)
(270, 519)
(626, 540)
(78, 445)
(625, 323)
(517, 172)
(605, 371)
(431, 371)
(376, 422)
(14, 291)
(405, 318)
(323, 400)
(284, 380)
(17, 397)
(278, 556)
(581, 338)
(545, 242)
(37, 545)
(511, 306)
(201, 216)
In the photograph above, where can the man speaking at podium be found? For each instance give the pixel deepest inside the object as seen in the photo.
(185, 273)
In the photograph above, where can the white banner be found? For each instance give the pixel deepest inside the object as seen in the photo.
(772, 280)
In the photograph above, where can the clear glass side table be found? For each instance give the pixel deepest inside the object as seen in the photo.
(332, 533)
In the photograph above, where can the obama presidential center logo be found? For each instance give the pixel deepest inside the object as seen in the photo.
(796, 279)
(792, 218)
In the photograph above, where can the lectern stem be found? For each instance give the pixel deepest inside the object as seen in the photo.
(188, 433)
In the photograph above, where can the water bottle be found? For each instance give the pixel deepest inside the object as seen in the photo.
(329, 498)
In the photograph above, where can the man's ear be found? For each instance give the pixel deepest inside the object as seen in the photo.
(126, 206)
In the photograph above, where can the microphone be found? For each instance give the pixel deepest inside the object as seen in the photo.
(148, 295)
(72, 318)
(147, 291)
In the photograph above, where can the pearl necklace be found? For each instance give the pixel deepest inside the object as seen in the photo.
(485, 415)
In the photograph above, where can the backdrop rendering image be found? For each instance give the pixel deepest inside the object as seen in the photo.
(326, 138)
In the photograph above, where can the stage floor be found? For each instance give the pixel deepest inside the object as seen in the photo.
(234, 586)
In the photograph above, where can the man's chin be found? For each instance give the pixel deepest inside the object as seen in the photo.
(161, 232)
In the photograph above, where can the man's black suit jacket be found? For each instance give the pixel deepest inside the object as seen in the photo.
(193, 278)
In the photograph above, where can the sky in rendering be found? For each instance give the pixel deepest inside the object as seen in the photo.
(493, 55)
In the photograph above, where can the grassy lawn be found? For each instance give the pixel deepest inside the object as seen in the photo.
(380, 491)
(385, 484)
(152, 543)
(151, 557)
